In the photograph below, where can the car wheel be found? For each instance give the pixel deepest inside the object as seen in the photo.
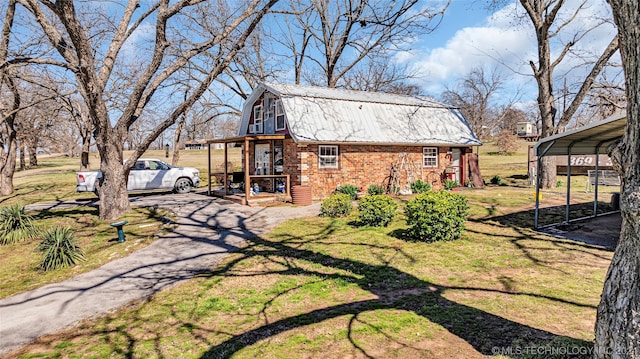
(183, 185)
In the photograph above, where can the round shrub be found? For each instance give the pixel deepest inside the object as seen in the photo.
(420, 187)
(375, 189)
(376, 210)
(436, 216)
(59, 249)
(349, 189)
(336, 205)
(15, 225)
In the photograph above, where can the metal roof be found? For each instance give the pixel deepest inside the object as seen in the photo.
(318, 114)
(584, 140)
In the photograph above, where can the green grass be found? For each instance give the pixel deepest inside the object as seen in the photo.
(19, 271)
(55, 177)
(320, 287)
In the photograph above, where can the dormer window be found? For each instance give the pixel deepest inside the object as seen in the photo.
(257, 120)
(280, 124)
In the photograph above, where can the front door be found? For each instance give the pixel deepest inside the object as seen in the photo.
(263, 162)
(456, 160)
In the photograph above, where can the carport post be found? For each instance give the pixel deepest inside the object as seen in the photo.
(568, 182)
(544, 152)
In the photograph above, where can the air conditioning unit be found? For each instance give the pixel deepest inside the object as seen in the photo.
(252, 128)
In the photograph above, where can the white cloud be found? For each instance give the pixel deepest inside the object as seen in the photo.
(505, 41)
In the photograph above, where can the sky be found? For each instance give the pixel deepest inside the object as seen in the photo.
(472, 35)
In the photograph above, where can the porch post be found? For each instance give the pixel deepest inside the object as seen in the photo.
(209, 168)
(247, 180)
(226, 171)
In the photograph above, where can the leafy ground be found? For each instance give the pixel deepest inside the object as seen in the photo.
(317, 287)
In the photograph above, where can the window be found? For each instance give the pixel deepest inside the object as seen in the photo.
(138, 166)
(280, 125)
(429, 157)
(328, 157)
(257, 120)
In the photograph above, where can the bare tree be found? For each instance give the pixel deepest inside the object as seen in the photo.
(617, 332)
(475, 95)
(508, 118)
(328, 39)
(79, 115)
(381, 75)
(9, 108)
(606, 98)
(92, 54)
(549, 25)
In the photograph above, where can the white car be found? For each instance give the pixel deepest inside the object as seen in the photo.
(146, 175)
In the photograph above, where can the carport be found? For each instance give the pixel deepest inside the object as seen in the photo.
(587, 140)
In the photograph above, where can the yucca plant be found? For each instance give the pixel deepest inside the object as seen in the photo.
(59, 249)
(15, 225)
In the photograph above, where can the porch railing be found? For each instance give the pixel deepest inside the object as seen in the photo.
(247, 185)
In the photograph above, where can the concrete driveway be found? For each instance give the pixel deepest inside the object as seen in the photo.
(207, 229)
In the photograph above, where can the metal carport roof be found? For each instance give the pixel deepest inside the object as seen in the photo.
(586, 140)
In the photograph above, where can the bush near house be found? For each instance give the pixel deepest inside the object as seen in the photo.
(351, 190)
(420, 187)
(375, 189)
(336, 205)
(376, 210)
(436, 216)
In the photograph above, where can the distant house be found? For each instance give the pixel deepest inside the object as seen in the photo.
(321, 138)
(527, 131)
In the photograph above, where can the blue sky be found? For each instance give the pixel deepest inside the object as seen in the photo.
(471, 35)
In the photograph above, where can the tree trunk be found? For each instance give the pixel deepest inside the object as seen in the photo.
(112, 189)
(8, 159)
(8, 164)
(84, 154)
(23, 160)
(33, 155)
(618, 319)
(546, 102)
(176, 139)
(617, 332)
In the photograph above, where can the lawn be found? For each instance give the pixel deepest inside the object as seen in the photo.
(317, 287)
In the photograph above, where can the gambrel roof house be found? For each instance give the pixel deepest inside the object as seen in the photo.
(318, 114)
(319, 138)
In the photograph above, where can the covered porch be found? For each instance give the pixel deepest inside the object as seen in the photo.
(261, 176)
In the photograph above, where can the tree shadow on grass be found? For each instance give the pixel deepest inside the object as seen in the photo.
(393, 289)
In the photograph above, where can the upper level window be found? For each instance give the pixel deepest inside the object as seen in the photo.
(280, 125)
(328, 157)
(429, 157)
(257, 120)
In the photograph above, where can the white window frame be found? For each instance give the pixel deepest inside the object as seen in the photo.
(279, 111)
(333, 155)
(430, 157)
(257, 119)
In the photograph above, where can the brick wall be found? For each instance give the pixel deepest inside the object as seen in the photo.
(362, 165)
